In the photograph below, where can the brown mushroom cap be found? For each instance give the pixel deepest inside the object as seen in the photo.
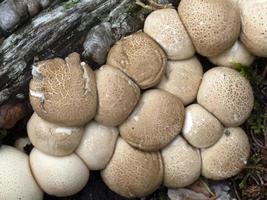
(16, 178)
(165, 26)
(51, 138)
(117, 96)
(201, 129)
(182, 78)
(156, 120)
(213, 26)
(225, 93)
(227, 157)
(140, 57)
(133, 173)
(182, 163)
(97, 145)
(59, 176)
(64, 92)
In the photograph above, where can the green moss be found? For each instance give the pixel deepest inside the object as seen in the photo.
(70, 3)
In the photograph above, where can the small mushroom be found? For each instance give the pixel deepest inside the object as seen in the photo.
(51, 138)
(97, 145)
(182, 78)
(227, 157)
(21, 143)
(165, 27)
(17, 181)
(64, 92)
(182, 163)
(225, 93)
(155, 122)
(133, 173)
(140, 57)
(213, 26)
(117, 96)
(201, 129)
(59, 176)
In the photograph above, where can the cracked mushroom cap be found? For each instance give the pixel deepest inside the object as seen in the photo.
(117, 96)
(201, 129)
(59, 176)
(51, 138)
(64, 92)
(165, 27)
(140, 57)
(228, 95)
(17, 181)
(133, 173)
(213, 26)
(182, 79)
(228, 156)
(97, 145)
(155, 122)
(182, 163)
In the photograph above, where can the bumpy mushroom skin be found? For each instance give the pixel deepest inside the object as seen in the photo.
(97, 145)
(133, 173)
(213, 26)
(227, 157)
(59, 176)
(225, 93)
(117, 96)
(165, 26)
(182, 78)
(64, 92)
(140, 57)
(201, 129)
(53, 139)
(156, 120)
(16, 178)
(182, 163)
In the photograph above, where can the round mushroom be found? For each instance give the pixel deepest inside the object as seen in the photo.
(97, 145)
(59, 176)
(21, 143)
(140, 57)
(133, 173)
(228, 156)
(225, 93)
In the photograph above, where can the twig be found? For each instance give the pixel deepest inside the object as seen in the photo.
(235, 190)
(207, 187)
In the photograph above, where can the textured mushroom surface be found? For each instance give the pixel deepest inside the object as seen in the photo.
(17, 181)
(182, 163)
(117, 96)
(182, 78)
(51, 138)
(156, 120)
(227, 94)
(227, 157)
(97, 145)
(133, 173)
(165, 27)
(64, 92)
(140, 57)
(213, 26)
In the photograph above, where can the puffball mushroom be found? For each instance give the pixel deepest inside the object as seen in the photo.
(21, 143)
(228, 95)
(53, 139)
(133, 173)
(228, 156)
(140, 57)
(213, 26)
(17, 181)
(201, 129)
(117, 96)
(97, 145)
(155, 122)
(59, 176)
(182, 78)
(182, 163)
(64, 92)
(165, 27)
